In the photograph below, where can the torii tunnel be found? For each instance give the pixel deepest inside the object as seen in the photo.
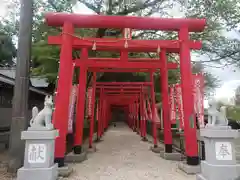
(129, 95)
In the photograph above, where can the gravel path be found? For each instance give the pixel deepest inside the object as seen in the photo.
(122, 156)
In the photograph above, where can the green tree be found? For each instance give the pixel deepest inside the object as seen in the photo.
(7, 50)
(222, 16)
(45, 58)
(8, 31)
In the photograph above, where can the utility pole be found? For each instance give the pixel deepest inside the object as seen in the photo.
(21, 89)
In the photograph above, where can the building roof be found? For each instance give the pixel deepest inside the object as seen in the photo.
(7, 75)
(35, 81)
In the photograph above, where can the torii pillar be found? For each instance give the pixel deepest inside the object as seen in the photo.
(168, 151)
(165, 102)
(60, 116)
(188, 105)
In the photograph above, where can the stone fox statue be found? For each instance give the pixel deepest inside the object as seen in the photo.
(43, 118)
(216, 117)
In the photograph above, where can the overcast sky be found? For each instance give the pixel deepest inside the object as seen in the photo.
(229, 79)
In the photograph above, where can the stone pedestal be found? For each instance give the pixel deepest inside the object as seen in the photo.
(174, 156)
(189, 169)
(220, 163)
(144, 139)
(65, 171)
(93, 149)
(157, 149)
(76, 158)
(39, 155)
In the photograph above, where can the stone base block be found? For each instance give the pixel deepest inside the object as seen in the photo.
(98, 140)
(156, 149)
(65, 171)
(200, 177)
(38, 173)
(73, 158)
(189, 169)
(219, 172)
(144, 139)
(174, 156)
(93, 149)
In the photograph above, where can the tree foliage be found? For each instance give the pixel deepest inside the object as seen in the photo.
(222, 16)
(45, 58)
(7, 47)
(7, 50)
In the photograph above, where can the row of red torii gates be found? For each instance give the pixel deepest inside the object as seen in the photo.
(69, 42)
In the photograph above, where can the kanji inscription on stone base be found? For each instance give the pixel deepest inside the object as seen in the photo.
(37, 153)
(223, 151)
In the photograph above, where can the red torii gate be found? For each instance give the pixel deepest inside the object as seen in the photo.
(68, 41)
(122, 90)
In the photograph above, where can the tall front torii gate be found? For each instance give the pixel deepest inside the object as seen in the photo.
(68, 42)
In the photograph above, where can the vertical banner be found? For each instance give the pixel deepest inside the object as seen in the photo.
(198, 94)
(89, 95)
(97, 112)
(133, 111)
(172, 105)
(145, 111)
(138, 105)
(157, 118)
(127, 33)
(73, 98)
(149, 111)
(179, 104)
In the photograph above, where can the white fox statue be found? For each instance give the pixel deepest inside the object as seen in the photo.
(215, 117)
(42, 119)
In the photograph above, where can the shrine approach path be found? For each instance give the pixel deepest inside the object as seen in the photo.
(122, 156)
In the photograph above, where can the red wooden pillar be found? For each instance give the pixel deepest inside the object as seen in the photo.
(165, 102)
(131, 116)
(141, 112)
(108, 114)
(128, 112)
(187, 98)
(105, 115)
(91, 131)
(78, 138)
(128, 115)
(144, 120)
(62, 98)
(136, 115)
(154, 127)
(100, 113)
(98, 119)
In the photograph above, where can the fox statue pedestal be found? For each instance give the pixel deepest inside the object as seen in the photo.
(39, 156)
(220, 163)
(39, 147)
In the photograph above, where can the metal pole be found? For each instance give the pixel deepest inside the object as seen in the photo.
(21, 88)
